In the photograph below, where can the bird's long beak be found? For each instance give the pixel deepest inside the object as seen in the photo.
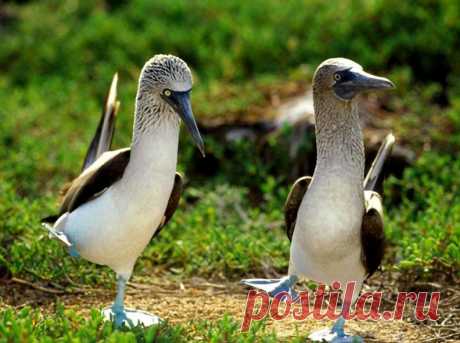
(361, 81)
(180, 102)
(356, 81)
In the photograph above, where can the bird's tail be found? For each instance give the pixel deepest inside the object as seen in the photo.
(102, 139)
(60, 236)
(377, 165)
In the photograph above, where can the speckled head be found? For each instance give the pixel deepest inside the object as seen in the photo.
(165, 72)
(164, 87)
(344, 79)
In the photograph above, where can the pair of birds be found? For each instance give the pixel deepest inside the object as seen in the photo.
(123, 198)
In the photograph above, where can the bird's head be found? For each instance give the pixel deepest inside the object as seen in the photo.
(344, 79)
(168, 79)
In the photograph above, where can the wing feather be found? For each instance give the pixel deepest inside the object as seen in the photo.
(104, 172)
(372, 235)
(294, 199)
(102, 139)
(173, 203)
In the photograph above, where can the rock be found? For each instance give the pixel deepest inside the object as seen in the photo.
(296, 111)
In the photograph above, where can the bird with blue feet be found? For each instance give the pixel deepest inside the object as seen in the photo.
(123, 198)
(334, 219)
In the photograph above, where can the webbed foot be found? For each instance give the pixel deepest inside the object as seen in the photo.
(73, 252)
(336, 334)
(274, 286)
(130, 318)
(62, 238)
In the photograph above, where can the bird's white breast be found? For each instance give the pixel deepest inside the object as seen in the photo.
(115, 228)
(326, 241)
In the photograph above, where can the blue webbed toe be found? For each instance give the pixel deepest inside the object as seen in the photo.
(274, 286)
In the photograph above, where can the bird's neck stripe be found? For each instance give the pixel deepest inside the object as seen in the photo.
(152, 114)
(339, 140)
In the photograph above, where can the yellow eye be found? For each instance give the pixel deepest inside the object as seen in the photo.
(337, 77)
(167, 92)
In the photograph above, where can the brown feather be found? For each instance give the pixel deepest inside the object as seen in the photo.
(291, 207)
(104, 172)
(173, 203)
(102, 168)
(103, 136)
(372, 234)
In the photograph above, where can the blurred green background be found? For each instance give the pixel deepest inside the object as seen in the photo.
(56, 62)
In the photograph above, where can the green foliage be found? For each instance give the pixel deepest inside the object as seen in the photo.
(28, 325)
(218, 236)
(26, 249)
(230, 40)
(56, 60)
(426, 226)
(228, 330)
(47, 121)
(221, 235)
(260, 165)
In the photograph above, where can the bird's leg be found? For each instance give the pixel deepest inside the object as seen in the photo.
(274, 286)
(338, 327)
(337, 333)
(118, 307)
(123, 316)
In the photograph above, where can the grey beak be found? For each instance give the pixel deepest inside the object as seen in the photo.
(364, 81)
(180, 102)
(356, 81)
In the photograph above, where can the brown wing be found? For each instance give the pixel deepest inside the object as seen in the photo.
(172, 203)
(372, 235)
(375, 171)
(104, 172)
(292, 204)
(102, 139)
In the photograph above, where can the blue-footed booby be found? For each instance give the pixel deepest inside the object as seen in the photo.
(123, 198)
(334, 219)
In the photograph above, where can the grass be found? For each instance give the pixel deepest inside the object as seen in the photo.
(29, 325)
(426, 224)
(56, 60)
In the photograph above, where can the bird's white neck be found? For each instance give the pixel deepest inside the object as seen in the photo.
(155, 145)
(339, 141)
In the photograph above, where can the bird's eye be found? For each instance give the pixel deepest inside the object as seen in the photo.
(337, 77)
(167, 92)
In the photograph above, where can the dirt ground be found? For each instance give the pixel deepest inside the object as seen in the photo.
(180, 302)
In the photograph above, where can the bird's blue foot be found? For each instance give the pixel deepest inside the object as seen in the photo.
(62, 238)
(73, 252)
(274, 286)
(130, 318)
(120, 317)
(338, 327)
(335, 335)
